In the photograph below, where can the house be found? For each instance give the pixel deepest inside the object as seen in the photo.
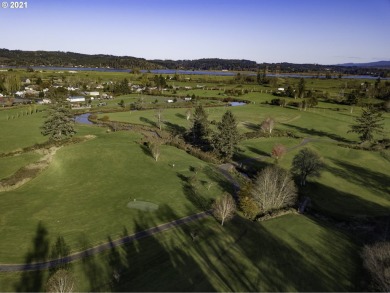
(188, 87)
(187, 99)
(281, 89)
(94, 94)
(76, 99)
(170, 101)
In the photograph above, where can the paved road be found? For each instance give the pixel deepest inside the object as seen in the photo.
(102, 247)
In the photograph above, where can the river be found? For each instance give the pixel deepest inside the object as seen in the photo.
(192, 72)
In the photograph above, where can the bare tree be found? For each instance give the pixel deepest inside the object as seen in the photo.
(274, 189)
(188, 114)
(278, 151)
(224, 208)
(155, 150)
(376, 260)
(267, 125)
(61, 281)
(159, 116)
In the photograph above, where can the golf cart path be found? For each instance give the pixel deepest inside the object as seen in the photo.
(101, 247)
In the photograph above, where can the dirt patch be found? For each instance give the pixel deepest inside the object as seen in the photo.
(30, 171)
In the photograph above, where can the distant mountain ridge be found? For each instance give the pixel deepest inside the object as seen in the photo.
(377, 64)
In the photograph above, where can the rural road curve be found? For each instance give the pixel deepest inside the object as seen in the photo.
(102, 247)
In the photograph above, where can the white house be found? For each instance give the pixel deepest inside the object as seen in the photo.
(187, 99)
(170, 101)
(76, 99)
(281, 89)
(94, 94)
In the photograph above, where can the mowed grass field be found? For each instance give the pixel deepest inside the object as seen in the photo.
(86, 189)
(290, 253)
(83, 197)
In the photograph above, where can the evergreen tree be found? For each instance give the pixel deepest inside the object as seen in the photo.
(227, 137)
(59, 123)
(301, 88)
(200, 128)
(368, 124)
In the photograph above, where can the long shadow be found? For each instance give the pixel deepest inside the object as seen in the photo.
(315, 132)
(180, 116)
(341, 205)
(148, 121)
(376, 181)
(34, 281)
(252, 126)
(156, 263)
(278, 266)
(92, 268)
(60, 250)
(174, 128)
(249, 165)
(192, 193)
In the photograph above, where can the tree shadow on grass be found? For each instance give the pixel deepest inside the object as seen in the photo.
(174, 128)
(315, 132)
(180, 116)
(193, 194)
(34, 281)
(341, 205)
(251, 126)
(148, 121)
(276, 264)
(155, 263)
(376, 181)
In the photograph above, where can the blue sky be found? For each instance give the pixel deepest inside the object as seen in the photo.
(298, 31)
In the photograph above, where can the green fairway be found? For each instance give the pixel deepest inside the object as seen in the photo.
(88, 185)
(290, 253)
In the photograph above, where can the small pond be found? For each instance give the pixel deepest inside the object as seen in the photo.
(234, 104)
(83, 119)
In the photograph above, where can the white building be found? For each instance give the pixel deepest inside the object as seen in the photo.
(76, 99)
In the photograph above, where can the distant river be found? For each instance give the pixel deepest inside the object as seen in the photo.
(191, 72)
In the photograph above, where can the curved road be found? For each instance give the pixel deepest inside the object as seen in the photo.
(102, 247)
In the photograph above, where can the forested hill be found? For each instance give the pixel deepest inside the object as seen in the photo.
(70, 59)
(209, 64)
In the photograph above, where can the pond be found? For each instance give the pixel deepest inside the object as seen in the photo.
(234, 104)
(83, 119)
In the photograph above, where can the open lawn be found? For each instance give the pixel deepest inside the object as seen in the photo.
(86, 189)
(19, 130)
(290, 253)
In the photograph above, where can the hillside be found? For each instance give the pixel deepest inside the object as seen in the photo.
(70, 59)
(378, 64)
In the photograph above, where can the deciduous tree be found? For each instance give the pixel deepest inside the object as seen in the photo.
(61, 281)
(376, 260)
(274, 189)
(307, 163)
(278, 151)
(224, 208)
(267, 125)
